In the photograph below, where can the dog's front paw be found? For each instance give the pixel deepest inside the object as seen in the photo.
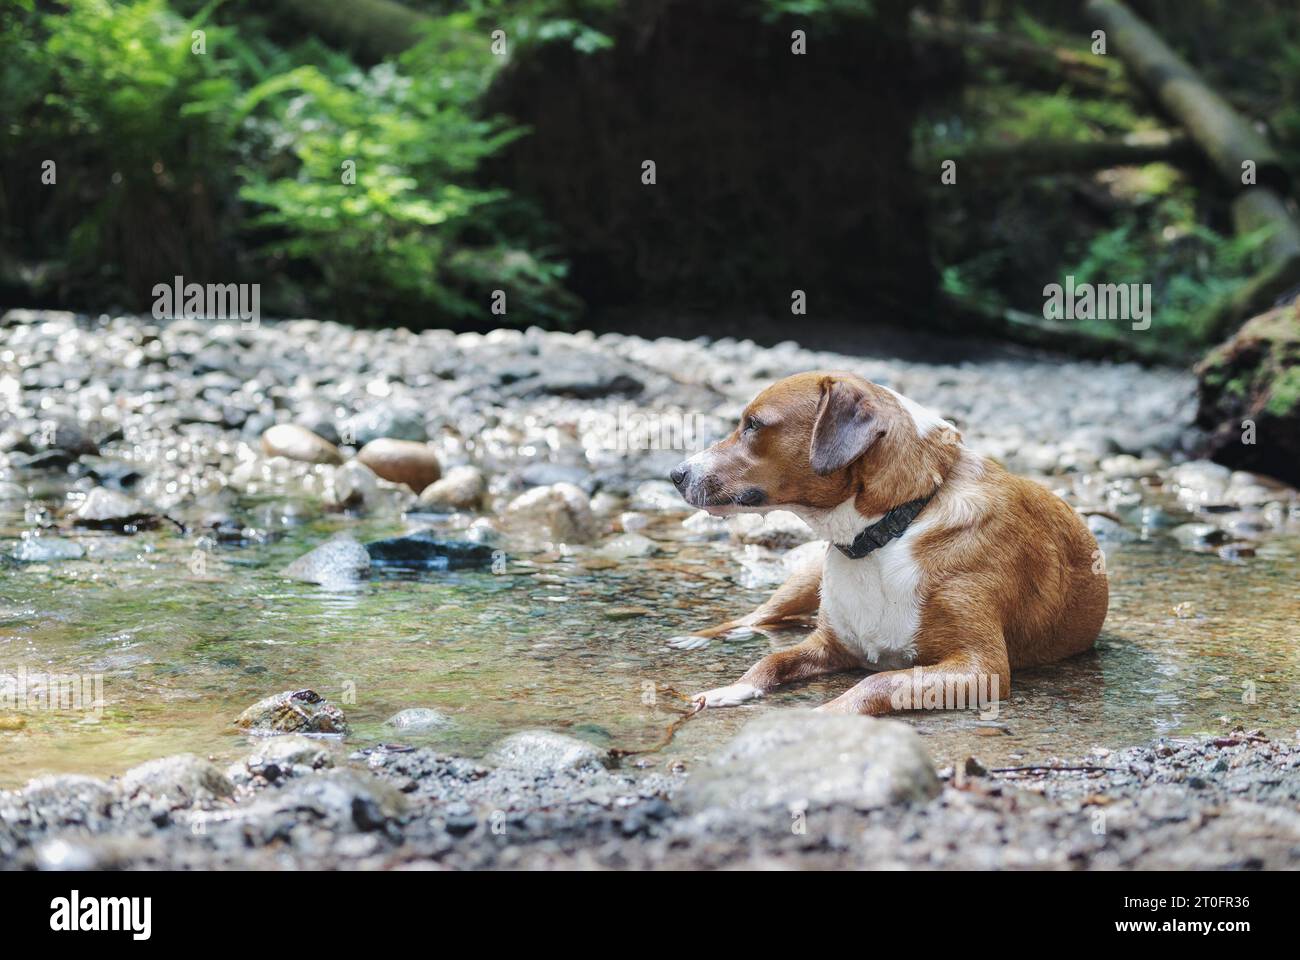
(689, 642)
(730, 696)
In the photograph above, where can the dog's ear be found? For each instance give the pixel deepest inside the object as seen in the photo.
(845, 427)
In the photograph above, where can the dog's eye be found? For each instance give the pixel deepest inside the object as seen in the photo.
(752, 424)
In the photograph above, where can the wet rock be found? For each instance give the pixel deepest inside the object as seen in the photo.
(342, 800)
(1125, 466)
(461, 489)
(1255, 376)
(1198, 535)
(427, 551)
(402, 461)
(1109, 529)
(778, 530)
(353, 485)
(794, 759)
(417, 718)
(658, 496)
(560, 512)
(1201, 483)
(111, 509)
(293, 442)
(67, 798)
(388, 421)
(176, 782)
(47, 549)
(336, 562)
(293, 711)
(628, 546)
(280, 758)
(543, 752)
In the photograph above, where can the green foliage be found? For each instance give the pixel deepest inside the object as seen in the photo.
(233, 161)
(1189, 268)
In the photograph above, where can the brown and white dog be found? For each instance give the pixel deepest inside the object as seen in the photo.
(939, 559)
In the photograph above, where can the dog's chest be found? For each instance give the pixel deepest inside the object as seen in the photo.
(874, 604)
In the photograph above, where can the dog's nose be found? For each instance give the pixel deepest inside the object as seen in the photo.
(678, 475)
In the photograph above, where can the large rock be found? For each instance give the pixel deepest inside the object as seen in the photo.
(180, 781)
(461, 489)
(294, 442)
(1255, 376)
(803, 759)
(335, 562)
(560, 512)
(542, 752)
(402, 461)
(293, 711)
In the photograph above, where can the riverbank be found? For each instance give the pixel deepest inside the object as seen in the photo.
(453, 539)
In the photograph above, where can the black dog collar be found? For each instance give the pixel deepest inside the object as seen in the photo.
(889, 527)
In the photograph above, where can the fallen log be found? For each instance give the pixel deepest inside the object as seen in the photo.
(1226, 137)
(998, 161)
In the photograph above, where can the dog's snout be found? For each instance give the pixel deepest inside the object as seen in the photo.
(678, 474)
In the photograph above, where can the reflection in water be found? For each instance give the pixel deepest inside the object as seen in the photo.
(1192, 644)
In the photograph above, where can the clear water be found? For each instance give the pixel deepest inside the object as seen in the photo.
(1193, 644)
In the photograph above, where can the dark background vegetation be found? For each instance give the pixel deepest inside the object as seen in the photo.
(477, 172)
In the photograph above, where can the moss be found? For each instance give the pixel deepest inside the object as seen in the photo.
(1284, 393)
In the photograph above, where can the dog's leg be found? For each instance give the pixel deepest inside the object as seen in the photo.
(820, 653)
(798, 597)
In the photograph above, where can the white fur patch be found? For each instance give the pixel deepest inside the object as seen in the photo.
(874, 604)
(925, 419)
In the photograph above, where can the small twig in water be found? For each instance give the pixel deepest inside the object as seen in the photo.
(669, 732)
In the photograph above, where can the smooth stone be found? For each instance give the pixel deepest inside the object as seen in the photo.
(294, 749)
(462, 488)
(1104, 528)
(417, 718)
(778, 530)
(179, 781)
(108, 508)
(293, 711)
(294, 442)
(402, 461)
(339, 561)
(794, 759)
(561, 512)
(425, 550)
(45, 549)
(1198, 535)
(542, 752)
(658, 496)
(630, 546)
(353, 485)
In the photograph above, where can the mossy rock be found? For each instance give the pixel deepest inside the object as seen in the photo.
(1254, 378)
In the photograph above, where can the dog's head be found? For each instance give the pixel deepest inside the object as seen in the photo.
(815, 440)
